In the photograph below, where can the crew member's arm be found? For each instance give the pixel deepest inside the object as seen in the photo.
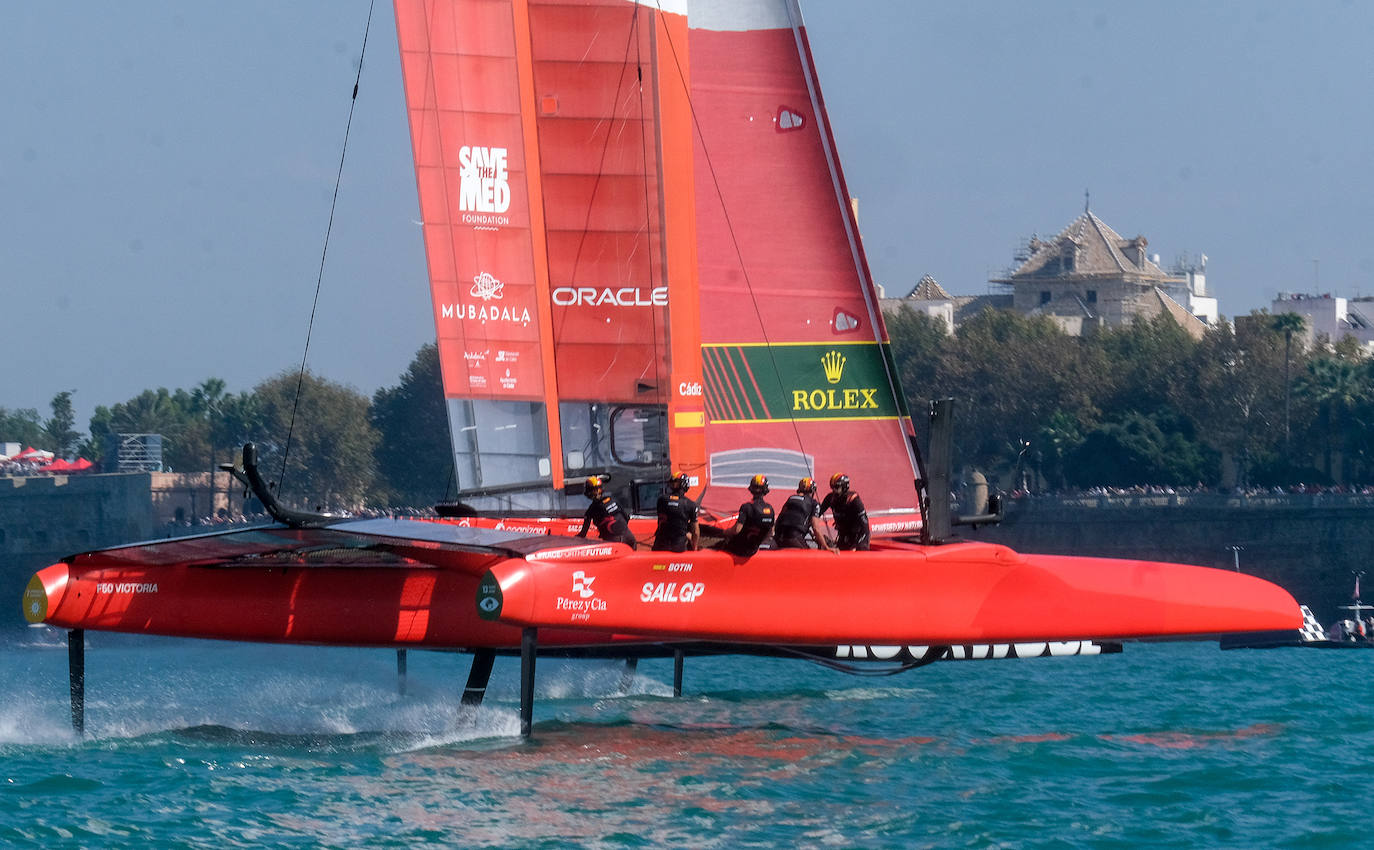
(586, 524)
(858, 505)
(694, 535)
(739, 522)
(818, 530)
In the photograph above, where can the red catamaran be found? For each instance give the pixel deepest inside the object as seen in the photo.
(643, 260)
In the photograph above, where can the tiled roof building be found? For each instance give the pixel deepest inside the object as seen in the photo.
(1090, 276)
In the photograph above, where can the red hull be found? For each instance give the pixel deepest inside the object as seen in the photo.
(898, 594)
(348, 606)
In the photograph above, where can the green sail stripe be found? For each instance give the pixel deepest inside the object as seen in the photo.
(801, 381)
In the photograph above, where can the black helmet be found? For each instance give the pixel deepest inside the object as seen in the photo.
(839, 481)
(679, 483)
(758, 485)
(806, 486)
(592, 488)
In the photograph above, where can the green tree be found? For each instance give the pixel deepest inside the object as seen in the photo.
(1143, 360)
(328, 452)
(1054, 444)
(1138, 451)
(154, 412)
(414, 457)
(60, 428)
(1337, 387)
(1232, 391)
(21, 425)
(1011, 374)
(240, 421)
(1287, 324)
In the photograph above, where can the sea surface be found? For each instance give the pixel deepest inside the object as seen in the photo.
(212, 745)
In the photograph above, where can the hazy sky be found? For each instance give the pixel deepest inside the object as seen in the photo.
(166, 168)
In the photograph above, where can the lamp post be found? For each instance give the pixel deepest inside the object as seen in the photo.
(1235, 552)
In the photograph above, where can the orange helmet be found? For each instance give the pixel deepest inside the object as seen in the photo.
(839, 481)
(592, 488)
(806, 485)
(679, 483)
(758, 485)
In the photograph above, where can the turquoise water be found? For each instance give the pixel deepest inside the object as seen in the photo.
(201, 744)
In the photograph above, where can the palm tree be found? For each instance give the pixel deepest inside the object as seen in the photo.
(206, 400)
(1287, 324)
(1335, 386)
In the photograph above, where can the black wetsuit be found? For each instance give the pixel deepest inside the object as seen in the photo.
(757, 518)
(676, 514)
(851, 520)
(612, 521)
(794, 521)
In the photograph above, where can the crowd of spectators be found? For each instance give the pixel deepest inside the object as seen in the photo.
(1201, 489)
(30, 468)
(224, 520)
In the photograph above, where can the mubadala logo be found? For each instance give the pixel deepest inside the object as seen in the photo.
(624, 296)
(486, 287)
(485, 186)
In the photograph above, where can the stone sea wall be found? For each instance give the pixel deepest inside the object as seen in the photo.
(45, 517)
(1309, 544)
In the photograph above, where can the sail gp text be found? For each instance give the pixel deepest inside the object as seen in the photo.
(670, 592)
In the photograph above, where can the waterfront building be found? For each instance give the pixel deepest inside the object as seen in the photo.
(1330, 317)
(1089, 276)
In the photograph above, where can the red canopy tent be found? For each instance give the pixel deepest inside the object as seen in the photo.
(60, 465)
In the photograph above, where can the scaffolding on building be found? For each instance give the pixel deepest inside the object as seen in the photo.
(139, 453)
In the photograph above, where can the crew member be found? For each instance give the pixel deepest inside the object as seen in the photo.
(851, 520)
(755, 522)
(801, 516)
(611, 520)
(677, 518)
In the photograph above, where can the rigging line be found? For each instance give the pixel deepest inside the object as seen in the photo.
(324, 251)
(730, 228)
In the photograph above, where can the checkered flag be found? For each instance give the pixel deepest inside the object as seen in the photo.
(1311, 629)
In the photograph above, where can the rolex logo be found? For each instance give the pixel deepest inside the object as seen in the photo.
(833, 364)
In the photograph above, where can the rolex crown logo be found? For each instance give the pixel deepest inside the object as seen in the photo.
(833, 364)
